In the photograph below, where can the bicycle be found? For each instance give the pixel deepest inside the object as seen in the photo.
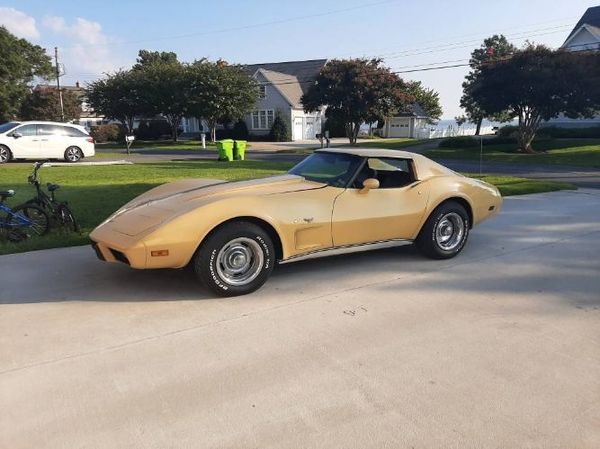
(60, 212)
(15, 222)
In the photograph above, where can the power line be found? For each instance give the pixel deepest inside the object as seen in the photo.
(478, 34)
(434, 65)
(435, 49)
(243, 27)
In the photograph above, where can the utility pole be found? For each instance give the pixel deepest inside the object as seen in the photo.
(62, 107)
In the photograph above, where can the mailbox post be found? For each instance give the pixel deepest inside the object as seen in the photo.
(129, 141)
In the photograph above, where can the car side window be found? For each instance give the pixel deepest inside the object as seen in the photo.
(391, 173)
(74, 132)
(26, 130)
(50, 130)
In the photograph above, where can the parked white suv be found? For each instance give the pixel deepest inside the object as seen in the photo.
(44, 140)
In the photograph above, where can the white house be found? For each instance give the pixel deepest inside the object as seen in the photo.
(585, 36)
(282, 85)
(412, 123)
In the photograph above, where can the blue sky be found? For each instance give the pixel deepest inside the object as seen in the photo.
(95, 37)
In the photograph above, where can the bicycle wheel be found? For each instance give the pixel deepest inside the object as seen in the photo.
(67, 219)
(40, 222)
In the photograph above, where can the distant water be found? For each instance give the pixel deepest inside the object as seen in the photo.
(446, 128)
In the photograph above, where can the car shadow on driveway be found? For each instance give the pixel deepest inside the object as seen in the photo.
(81, 277)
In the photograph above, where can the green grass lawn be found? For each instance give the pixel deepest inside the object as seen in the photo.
(510, 185)
(392, 144)
(94, 192)
(155, 145)
(575, 152)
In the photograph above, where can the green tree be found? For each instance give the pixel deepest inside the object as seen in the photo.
(44, 104)
(165, 90)
(146, 58)
(494, 48)
(220, 93)
(280, 131)
(118, 97)
(357, 91)
(538, 84)
(428, 99)
(20, 62)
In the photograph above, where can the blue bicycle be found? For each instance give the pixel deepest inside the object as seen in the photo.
(21, 222)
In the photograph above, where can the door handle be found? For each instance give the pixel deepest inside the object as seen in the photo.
(43, 140)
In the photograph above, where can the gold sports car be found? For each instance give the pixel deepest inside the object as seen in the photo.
(335, 200)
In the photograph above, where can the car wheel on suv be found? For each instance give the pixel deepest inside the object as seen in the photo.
(5, 154)
(73, 154)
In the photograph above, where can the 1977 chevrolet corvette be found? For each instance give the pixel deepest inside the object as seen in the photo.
(233, 233)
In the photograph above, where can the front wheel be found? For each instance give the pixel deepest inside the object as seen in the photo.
(236, 259)
(73, 154)
(32, 219)
(445, 232)
(5, 154)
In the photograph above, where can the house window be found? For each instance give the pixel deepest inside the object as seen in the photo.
(262, 119)
(262, 91)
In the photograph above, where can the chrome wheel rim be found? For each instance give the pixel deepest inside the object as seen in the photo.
(450, 231)
(3, 155)
(73, 154)
(239, 261)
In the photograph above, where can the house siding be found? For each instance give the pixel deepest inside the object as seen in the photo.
(582, 39)
(273, 100)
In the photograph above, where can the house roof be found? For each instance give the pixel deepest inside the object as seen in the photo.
(590, 17)
(287, 85)
(414, 110)
(304, 71)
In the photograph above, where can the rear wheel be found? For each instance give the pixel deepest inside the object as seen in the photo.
(39, 222)
(445, 232)
(67, 219)
(236, 259)
(73, 154)
(5, 154)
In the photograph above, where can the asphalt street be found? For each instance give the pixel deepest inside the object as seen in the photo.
(497, 348)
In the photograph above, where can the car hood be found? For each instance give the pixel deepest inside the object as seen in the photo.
(173, 199)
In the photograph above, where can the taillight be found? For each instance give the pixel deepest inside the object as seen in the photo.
(90, 140)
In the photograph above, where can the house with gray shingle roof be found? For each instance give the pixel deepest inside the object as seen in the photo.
(585, 36)
(410, 123)
(586, 33)
(282, 85)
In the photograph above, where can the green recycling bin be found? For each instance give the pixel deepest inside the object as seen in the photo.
(239, 150)
(225, 148)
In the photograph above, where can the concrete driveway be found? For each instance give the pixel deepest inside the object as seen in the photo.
(498, 348)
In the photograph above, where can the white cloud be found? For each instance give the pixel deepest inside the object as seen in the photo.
(18, 23)
(54, 23)
(87, 54)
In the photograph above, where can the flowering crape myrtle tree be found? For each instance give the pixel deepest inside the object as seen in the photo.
(537, 84)
(357, 91)
(492, 49)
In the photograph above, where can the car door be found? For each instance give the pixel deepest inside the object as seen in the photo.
(25, 142)
(53, 141)
(392, 211)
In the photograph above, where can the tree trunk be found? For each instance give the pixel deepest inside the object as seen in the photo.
(478, 128)
(529, 122)
(349, 133)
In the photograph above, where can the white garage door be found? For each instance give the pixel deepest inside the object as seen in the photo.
(399, 128)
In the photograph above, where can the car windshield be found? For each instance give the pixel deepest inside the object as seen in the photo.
(334, 169)
(8, 126)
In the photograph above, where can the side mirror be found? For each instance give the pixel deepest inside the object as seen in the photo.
(16, 135)
(369, 184)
